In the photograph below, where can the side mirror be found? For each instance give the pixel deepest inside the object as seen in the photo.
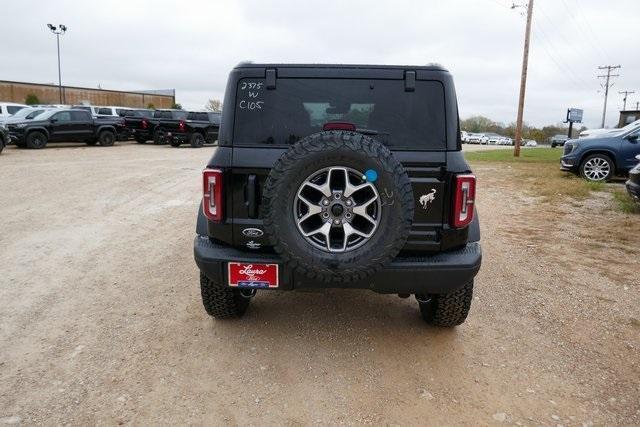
(632, 138)
(53, 120)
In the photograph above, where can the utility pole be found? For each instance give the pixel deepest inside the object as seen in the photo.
(523, 78)
(59, 30)
(606, 86)
(624, 100)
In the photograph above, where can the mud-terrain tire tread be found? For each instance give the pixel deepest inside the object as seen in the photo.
(448, 310)
(357, 143)
(221, 301)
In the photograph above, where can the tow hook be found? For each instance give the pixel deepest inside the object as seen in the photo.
(423, 298)
(247, 293)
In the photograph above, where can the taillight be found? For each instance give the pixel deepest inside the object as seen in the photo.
(144, 123)
(212, 194)
(181, 126)
(464, 198)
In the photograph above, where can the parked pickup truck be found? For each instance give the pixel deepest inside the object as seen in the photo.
(163, 120)
(200, 127)
(137, 125)
(65, 125)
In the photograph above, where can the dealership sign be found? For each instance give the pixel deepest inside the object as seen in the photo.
(574, 115)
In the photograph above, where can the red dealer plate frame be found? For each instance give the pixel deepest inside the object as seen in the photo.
(253, 275)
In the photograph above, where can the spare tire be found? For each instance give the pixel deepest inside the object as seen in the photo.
(337, 206)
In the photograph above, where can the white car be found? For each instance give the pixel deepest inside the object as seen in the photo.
(464, 136)
(493, 139)
(529, 143)
(591, 133)
(8, 109)
(26, 113)
(478, 138)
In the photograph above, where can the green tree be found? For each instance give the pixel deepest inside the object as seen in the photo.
(477, 124)
(32, 99)
(150, 106)
(177, 106)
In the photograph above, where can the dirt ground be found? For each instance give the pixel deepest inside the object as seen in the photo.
(101, 319)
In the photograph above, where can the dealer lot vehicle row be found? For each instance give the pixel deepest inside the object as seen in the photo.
(36, 126)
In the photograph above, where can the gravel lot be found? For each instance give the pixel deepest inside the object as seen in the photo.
(102, 321)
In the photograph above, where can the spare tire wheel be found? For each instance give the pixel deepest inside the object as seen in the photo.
(337, 206)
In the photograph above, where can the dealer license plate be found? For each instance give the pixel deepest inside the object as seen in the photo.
(255, 276)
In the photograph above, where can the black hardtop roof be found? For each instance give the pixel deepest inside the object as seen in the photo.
(428, 67)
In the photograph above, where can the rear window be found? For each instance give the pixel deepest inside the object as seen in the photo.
(104, 111)
(300, 107)
(144, 113)
(198, 116)
(176, 115)
(12, 109)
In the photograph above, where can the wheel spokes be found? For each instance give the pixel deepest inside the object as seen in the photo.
(337, 209)
(323, 229)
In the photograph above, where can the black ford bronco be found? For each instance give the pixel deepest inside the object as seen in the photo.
(339, 176)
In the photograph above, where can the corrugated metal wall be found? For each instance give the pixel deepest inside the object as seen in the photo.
(49, 94)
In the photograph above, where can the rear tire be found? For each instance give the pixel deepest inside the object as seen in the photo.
(36, 140)
(222, 302)
(159, 137)
(447, 310)
(197, 140)
(107, 138)
(175, 143)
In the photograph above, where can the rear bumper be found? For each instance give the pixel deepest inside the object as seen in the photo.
(141, 134)
(435, 274)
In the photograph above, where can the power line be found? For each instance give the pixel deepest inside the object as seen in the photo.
(624, 100)
(562, 66)
(589, 31)
(607, 85)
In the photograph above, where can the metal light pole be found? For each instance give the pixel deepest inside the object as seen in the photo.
(60, 29)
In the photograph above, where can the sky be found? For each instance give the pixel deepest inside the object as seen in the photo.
(191, 46)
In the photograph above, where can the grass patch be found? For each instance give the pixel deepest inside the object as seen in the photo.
(527, 155)
(537, 171)
(626, 203)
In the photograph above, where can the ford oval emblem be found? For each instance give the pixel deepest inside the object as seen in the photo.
(252, 232)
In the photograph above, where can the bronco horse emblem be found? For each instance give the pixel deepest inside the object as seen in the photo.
(425, 199)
